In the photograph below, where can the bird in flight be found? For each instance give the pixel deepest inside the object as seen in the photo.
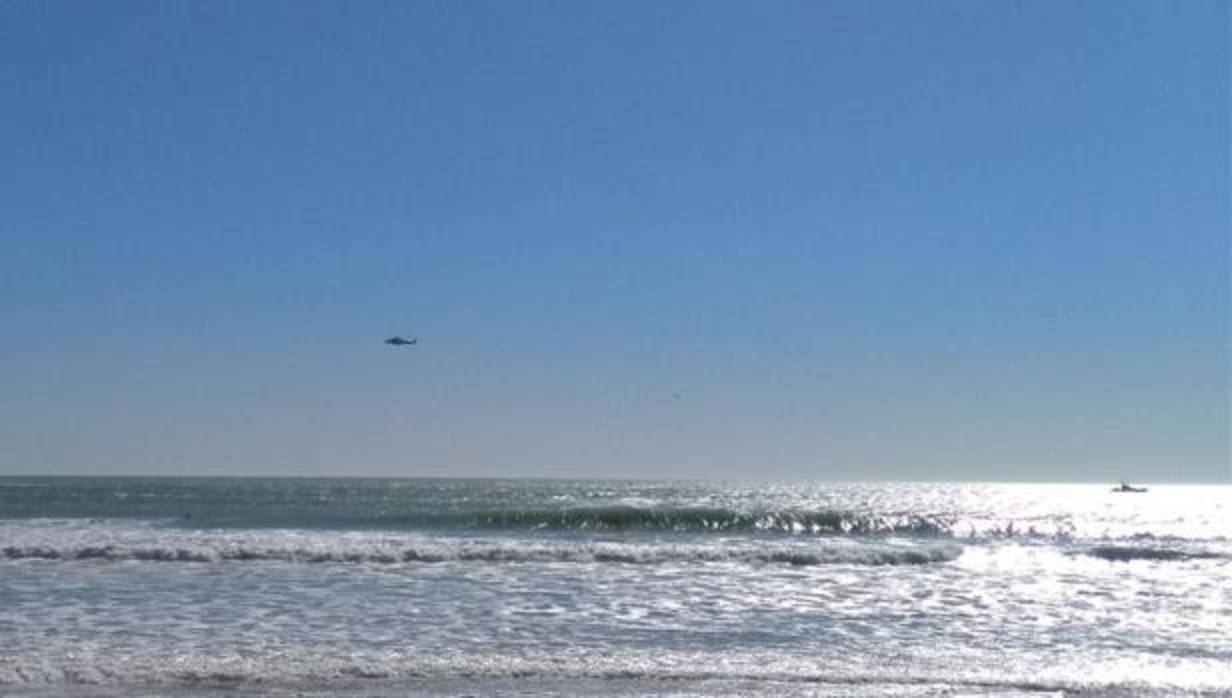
(401, 342)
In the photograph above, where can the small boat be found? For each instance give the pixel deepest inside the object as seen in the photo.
(1125, 487)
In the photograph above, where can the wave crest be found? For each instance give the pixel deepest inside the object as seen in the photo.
(713, 519)
(1118, 553)
(473, 551)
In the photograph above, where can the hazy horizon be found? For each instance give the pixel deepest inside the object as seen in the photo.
(891, 241)
(648, 479)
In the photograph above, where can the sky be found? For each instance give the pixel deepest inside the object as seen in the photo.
(974, 240)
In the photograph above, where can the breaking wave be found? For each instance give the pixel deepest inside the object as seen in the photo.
(613, 518)
(119, 676)
(1118, 553)
(508, 552)
(716, 519)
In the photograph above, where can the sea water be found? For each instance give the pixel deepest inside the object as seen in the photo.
(139, 586)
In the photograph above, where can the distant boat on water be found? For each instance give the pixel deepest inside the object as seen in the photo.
(1125, 487)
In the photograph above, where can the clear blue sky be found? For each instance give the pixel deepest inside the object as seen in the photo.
(917, 240)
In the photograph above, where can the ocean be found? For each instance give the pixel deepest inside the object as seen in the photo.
(384, 587)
